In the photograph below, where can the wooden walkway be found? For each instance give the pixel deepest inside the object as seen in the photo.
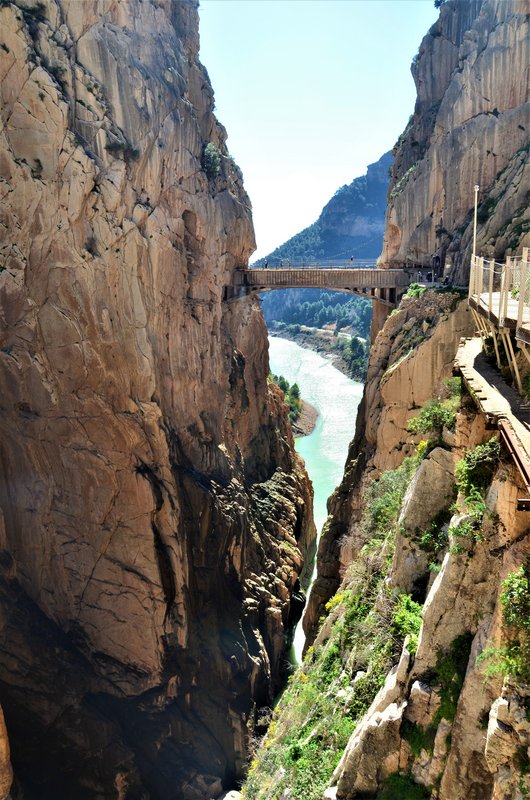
(500, 404)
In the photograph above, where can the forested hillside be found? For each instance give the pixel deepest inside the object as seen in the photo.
(350, 225)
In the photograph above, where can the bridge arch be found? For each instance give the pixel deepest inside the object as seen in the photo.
(384, 285)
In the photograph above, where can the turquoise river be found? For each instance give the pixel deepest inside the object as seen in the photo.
(336, 398)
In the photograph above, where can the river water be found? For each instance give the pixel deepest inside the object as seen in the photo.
(336, 398)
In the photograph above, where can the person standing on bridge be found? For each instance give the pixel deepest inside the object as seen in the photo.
(266, 264)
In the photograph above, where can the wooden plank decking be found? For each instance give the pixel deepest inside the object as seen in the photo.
(501, 405)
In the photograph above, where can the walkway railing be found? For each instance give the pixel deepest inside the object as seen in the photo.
(499, 298)
(501, 292)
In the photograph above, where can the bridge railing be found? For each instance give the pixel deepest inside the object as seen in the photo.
(503, 290)
(313, 263)
(354, 280)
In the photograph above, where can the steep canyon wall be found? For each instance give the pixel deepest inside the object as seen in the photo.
(154, 514)
(470, 126)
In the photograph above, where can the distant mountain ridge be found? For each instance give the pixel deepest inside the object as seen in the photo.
(351, 223)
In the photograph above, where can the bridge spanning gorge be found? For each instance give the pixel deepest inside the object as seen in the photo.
(384, 285)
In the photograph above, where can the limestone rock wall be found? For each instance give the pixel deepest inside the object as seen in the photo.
(471, 740)
(155, 513)
(446, 723)
(409, 359)
(470, 126)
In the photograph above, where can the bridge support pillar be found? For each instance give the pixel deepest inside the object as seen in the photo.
(380, 312)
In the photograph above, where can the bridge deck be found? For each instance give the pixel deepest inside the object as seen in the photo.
(353, 280)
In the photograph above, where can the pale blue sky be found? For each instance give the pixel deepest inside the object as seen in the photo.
(311, 92)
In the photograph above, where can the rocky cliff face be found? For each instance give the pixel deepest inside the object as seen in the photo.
(155, 513)
(470, 126)
(444, 720)
(409, 359)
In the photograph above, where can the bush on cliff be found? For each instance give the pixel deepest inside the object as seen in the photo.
(211, 160)
(513, 657)
(341, 674)
(476, 469)
(440, 413)
(291, 396)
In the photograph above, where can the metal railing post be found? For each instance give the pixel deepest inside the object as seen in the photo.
(507, 287)
(501, 294)
(490, 286)
(522, 293)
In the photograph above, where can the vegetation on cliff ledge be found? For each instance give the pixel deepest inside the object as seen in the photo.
(291, 395)
(360, 640)
(513, 656)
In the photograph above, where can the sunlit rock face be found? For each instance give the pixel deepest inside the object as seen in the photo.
(155, 513)
(470, 126)
(410, 357)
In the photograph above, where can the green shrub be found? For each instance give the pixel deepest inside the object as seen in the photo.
(406, 620)
(515, 598)
(384, 497)
(415, 290)
(441, 413)
(473, 473)
(418, 737)
(433, 418)
(436, 537)
(211, 161)
(291, 396)
(468, 529)
(454, 386)
(513, 657)
(476, 469)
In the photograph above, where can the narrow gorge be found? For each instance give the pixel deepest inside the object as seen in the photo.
(156, 529)
(415, 683)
